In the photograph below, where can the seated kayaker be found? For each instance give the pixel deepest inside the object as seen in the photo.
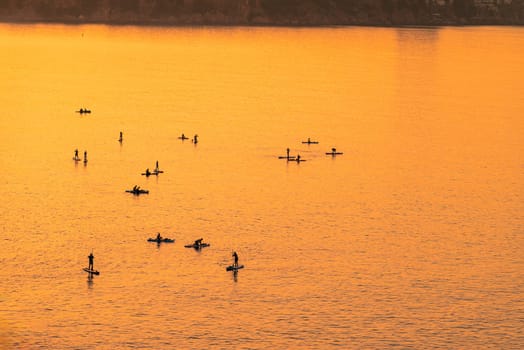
(198, 242)
(148, 172)
(158, 237)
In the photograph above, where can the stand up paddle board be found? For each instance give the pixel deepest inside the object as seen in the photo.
(92, 272)
(162, 240)
(234, 268)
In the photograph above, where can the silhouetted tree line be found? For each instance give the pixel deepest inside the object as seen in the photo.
(280, 12)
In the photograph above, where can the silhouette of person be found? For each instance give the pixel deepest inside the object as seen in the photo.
(91, 257)
(121, 137)
(298, 158)
(235, 256)
(148, 172)
(198, 242)
(85, 156)
(158, 237)
(195, 139)
(76, 153)
(287, 150)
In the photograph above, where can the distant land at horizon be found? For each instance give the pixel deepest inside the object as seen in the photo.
(267, 12)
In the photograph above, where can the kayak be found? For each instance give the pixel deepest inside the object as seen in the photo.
(194, 246)
(234, 268)
(81, 111)
(91, 272)
(137, 192)
(151, 173)
(154, 172)
(162, 240)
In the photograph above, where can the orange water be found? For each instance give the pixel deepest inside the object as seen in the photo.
(413, 238)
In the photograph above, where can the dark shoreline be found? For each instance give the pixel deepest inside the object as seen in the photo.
(265, 13)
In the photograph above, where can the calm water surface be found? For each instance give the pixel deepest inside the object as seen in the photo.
(413, 238)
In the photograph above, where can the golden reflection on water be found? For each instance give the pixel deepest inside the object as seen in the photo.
(411, 237)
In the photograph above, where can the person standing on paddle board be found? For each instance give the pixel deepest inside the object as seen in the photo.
(235, 256)
(91, 257)
(76, 153)
(287, 150)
